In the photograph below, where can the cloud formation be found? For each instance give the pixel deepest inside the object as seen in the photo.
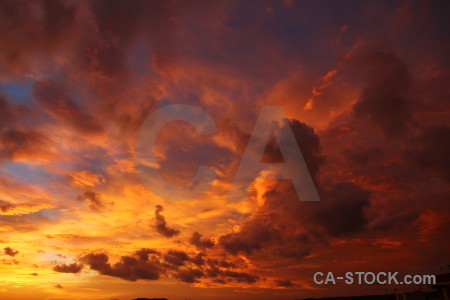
(201, 243)
(92, 199)
(161, 224)
(129, 268)
(68, 268)
(10, 251)
(369, 111)
(388, 86)
(148, 264)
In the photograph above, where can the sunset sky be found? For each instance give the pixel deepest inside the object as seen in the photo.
(366, 88)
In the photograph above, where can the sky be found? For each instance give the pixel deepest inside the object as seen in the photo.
(364, 85)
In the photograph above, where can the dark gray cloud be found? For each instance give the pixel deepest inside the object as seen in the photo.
(92, 199)
(274, 229)
(26, 35)
(221, 263)
(176, 258)
(201, 243)
(24, 142)
(430, 150)
(55, 101)
(5, 206)
(308, 142)
(251, 237)
(10, 251)
(161, 225)
(198, 259)
(144, 253)
(5, 112)
(342, 210)
(362, 157)
(283, 225)
(280, 205)
(148, 264)
(283, 283)
(388, 220)
(239, 276)
(68, 268)
(17, 139)
(385, 98)
(189, 275)
(129, 268)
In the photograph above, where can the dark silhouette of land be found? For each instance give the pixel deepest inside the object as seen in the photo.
(367, 297)
(151, 299)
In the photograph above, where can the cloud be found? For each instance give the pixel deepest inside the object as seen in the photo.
(22, 223)
(5, 112)
(8, 208)
(387, 87)
(308, 142)
(221, 263)
(274, 228)
(251, 237)
(284, 230)
(23, 145)
(284, 227)
(93, 199)
(200, 243)
(362, 157)
(177, 258)
(342, 211)
(18, 142)
(221, 275)
(161, 225)
(129, 268)
(283, 283)
(10, 251)
(239, 276)
(72, 268)
(429, 150)
(54, 100)
(391, 220)
(146, 264)
(154, 19)
(144, 253)
(48, 31)
(78, 79)
(85, 178)
(198, 259)
(5, 206)
(189, 275)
